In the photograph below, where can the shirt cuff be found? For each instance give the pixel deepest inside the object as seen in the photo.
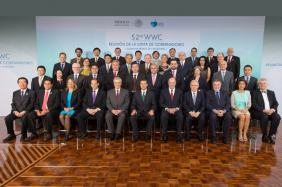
(224, 110)
(273, 109)
(98, 109)
(177, 108)
(166, 108)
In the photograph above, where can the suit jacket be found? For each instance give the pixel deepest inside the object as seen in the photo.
(100, 100)
(258, 102)
(121, 60)
(169, 59)
(214, 68)
(179, 79)
(141, 62)
(110, 77)
(129, 82)
(100, 61)
(80, 82)
(196, 61)
(186, 72)
(158, 86)
(165, 99)
(214, 60)
(142, 69)
(28, 101)
(76, 100)
(188, 104)
(66, 72)
(35, 83)
(158, 63)
(103, 71)
(148, 104)
(235, 63)
(228, 82)
(74, 60)
(123, 100)
(53, 103)
(100, 79)
(211, 101)
(124, 69)
(252, 85)
(202, 84)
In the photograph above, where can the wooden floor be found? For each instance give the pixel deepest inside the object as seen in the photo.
(123, 163)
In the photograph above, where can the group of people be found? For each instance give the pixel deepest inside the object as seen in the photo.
(184, 89)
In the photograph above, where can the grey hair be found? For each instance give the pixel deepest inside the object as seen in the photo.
(129, 54)
(153, 65)
(199, 67)
(149, 55)
(75, 64)
(117, 78)
(262, 79)
(116, 61)
(194, 81)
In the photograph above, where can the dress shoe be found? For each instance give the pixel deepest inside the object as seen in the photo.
(265, 139)
(187, 139)
(136, 138)
(213, 140)
(32, 137)
(48, 137)
(225, 140)
(91, 127)
(97, 136)
(271, 139)
(165, 137)
(10, 137)
(83, 137)
(178, 139)
(23, 137)
(201, 139)
(112, 137)
(117, 137)
(67, 138)
(147, 139)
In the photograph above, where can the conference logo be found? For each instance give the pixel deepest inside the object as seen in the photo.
(138, 23)
(155, 24)
(122, 23)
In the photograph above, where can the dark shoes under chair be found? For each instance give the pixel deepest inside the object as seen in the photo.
(117, 137)
(31, 137)
(114, 137)
(164, 139)
(224, 140)
(97, 136)
(268, 139)
(83, 136)
(137, 137)
(10, 137)
(48, 137)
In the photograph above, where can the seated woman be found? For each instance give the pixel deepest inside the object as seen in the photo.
(164, 66)
(196, 75)
(206, 71)
(70, 104)
(85, 69)
(240, 104)
(59, 83)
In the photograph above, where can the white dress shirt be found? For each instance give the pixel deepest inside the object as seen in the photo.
(21, 95)
(93, 75)
(142, 92)
(173, 91)
(136, 75)
(96, 92)
(265, 99)
(228, 58)
(118, 91)
(75, 74)
(175, 72)
(116, 73)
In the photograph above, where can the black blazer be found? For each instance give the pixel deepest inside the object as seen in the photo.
(124, 69)
(35, 83)
(100, 101)
(142, 69)
(66, 72)
(110, 77)
(186, 72)
(141, 62)
(214, 60)
(100, 61)
(100, 79)
(121, 60)
(202, 84)
(148, 104)
(252, 85)
(129, 82)
(157, 88)
(53, 103)
(179, 79)
(75, 100)
(28, 101)
(211, 101)
(103, 71)
(165, 99)
(214, 68)
(235, 63)
(169, 59)
(196, 61)
(258, 102)
(188, 105)
(59, 86)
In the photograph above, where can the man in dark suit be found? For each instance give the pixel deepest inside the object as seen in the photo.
(143, 104)
(252, 81)
(48, 105)
(78, 59)
(186, 68)
(264, 108)
(144, 68)
(97, 59)
(172, 52)
(234, 61)
(138, 55)
(126, 68)
(94, 75)
(107, 67)
(94, 104)
(171, 103)
(175, 73)
(78, 78)
(194, 107)
(37, 82)
(119, 58)
(218, 105)
(215, 67)
(22, 103)
(210, 58)
(64, 66)
(115, 73)
(193, 59)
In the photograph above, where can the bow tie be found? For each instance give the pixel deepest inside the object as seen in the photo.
(263, 91)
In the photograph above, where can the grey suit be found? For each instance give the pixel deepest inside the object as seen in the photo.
(228, 82)
(74, 60)
(112, 104)
(196, 61)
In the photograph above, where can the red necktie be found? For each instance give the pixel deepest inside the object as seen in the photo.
(117, 57)
(173, 73)
(153, 80)
(115, 74)
(228, 59)
(171, 95)
(117, 97)
(45, 102)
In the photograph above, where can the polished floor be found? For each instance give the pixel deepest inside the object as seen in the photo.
(123, 163)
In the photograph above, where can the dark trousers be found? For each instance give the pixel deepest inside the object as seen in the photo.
(263, 117)
(134, 118)
(157, 115)
(10, 125)
(179, 120)
(201, 123)
(226, 123)
(84, 114)
(49, 120)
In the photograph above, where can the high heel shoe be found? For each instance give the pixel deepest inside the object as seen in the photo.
(240, 139)
(67, 137)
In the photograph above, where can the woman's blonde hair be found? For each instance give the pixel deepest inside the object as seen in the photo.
(165, 55)
(75, 86)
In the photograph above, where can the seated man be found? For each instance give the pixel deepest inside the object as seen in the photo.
(48, 105)
(94, 104)
(171, 103)
(194, 107)
(143, 104)
(117, 104)
(218, 105)
(22, 103)
(264, 108)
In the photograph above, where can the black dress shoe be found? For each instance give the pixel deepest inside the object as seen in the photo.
(165, 137)
(265, 139)
(32, 137)
(178, 139)
(201, 139)
(83, 137)
(147, 139)
(67, 138)
(112, 137)
(225, 140)
(48, 137)
(187, 139)
(271, 139)
(97, 136)
(136, 138)
(23, 137)
(10, 137)
(117, 137)
(213, 140)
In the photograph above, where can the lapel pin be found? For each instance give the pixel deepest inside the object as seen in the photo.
(213, 59)
(50, 92)
(232, 59)
(26, 94)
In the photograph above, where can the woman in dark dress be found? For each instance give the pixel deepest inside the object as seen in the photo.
(59, 83)
(201, 80)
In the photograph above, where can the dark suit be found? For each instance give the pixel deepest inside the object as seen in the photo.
(103, 71)
(143, 108)
(124, 69)
(252, 85)
(188, 106)
(258, 106)
(66, 71)
(110, 77)
(75, 101)
(53, 105)
(166, 102)
(74, 60)
(141, 62)
(213, 61)
(224, 104)
(35, 83)
(100, 61)
(186, 72)
(80, 83)
(142, 69)
(169, 59)
(235, 63)
(202, 84)
(100, 102)
(129, 82)
(100, 80)
(121, 60)
(196, 61)
(19, 105)
(179, 78)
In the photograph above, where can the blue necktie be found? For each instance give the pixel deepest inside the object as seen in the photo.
(94, 76)
(194, 98)
(217, 97)
(193, 60)
(75, 78)
(62, 67)
(210, 60)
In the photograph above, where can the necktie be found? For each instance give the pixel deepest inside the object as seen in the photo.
(40, 81)
(147, 68)
(247, 79)
(263, 91)
(228, 59)
(117, 57)
(45, 101)
(128, 68)
(143, 96)
(75, 78)
(95, 60)
(108, 68)
(153, 80)
(134, 84)
(138, 61)
(173, 73)
(210, 60)
(171, 95)
(94, 96)
(217, 97)
(193, 59)
(182, 64)
(223, 74)
(78, 59)
(62, 67)
(115, 74)
(117, 97)
(22, 95)
(194, 98)
(94, 76)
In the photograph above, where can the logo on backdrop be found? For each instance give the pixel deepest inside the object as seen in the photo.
(122, 23)
(155, 23)
(138, 23)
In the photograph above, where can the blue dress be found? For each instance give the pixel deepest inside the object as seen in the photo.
(68, 105)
